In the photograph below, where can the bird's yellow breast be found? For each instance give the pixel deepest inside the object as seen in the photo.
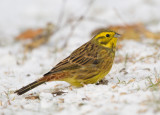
(102, 69)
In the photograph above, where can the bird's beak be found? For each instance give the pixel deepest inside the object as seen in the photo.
(117, 35)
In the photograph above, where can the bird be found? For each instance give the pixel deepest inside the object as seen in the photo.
(88, 64)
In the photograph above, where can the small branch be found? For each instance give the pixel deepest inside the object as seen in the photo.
(61, 14)
(79, 20)
(148, 56)
(126, 59)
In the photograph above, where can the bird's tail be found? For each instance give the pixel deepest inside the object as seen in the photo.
(29, 87)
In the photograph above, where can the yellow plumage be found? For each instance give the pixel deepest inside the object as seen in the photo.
(86, 65)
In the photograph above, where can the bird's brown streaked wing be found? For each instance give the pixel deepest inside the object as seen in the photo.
(78, 59)
(87, 54)
(62, 66)
(88, 57)
(88, 49)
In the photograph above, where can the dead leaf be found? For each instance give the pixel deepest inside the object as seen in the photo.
(0, 103)
(86, 98)
(58, 85)
(123, 93)
(38, 37)
(41, 39)
(132, 80)
(58, 93)
(61, 100)
(124, 71)
(114, 86)
(142, 111)
(32, 97)
(29, 34)
(70, 87)
(102, 82)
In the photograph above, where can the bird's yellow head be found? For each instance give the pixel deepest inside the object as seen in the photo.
(107, 39)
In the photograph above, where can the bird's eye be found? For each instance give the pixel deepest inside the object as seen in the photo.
(107, 35)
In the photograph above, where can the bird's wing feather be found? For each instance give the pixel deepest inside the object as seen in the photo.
(80, 57)
(86, 54)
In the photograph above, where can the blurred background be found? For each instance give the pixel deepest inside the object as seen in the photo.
(37, 34)
(18, 16)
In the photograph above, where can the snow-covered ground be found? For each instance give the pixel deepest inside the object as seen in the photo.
(131, 88)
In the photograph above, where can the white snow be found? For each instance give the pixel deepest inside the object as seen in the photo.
(127, 92)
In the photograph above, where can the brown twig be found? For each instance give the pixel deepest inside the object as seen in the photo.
(73, 27)
(148, 56)
(61, 14)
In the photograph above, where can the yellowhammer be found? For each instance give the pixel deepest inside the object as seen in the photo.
(88, 64)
